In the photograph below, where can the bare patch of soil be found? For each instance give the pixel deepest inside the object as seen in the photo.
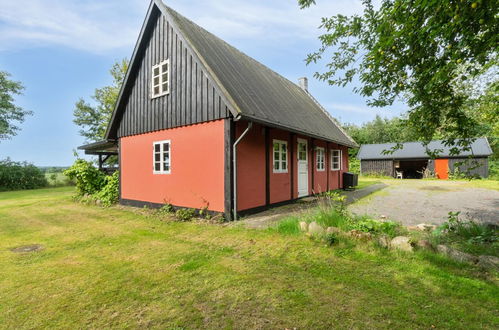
(27, 248)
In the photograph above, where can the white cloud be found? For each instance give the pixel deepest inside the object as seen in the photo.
(100, 26)
(94, 26)
(265, 19)
(349, 112)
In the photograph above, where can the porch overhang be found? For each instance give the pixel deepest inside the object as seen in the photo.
(101, 148)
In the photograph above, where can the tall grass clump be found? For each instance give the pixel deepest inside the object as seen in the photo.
(288, 226)
(468, 235)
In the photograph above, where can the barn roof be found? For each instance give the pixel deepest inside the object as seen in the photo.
(256, 92)
(412, 150)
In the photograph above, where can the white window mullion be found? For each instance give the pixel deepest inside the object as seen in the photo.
(280, 156)
(160, 79)
(162, 157)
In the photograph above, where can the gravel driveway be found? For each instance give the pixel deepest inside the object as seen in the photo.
(412, 202)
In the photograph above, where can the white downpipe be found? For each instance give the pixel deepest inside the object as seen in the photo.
(234, 172)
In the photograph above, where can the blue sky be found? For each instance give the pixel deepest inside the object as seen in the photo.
(62, 50)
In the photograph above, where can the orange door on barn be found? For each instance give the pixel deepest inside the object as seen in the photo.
(442, 168)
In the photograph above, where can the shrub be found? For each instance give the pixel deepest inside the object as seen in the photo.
(20, 175)
(336, 201)
(89, 180)
(375, 227)
(165, 209)
(110, 193)
(331, 238)
(185, 214)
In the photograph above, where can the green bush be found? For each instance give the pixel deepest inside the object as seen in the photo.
(166, 209)
(185, 214)
(110, 193)
(20, 175)
(494, 169)
(372, 226)
(89, 180)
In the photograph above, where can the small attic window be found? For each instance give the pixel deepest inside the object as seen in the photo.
(160, 79)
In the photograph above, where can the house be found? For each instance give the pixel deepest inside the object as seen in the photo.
(198, 124)
(412, 159)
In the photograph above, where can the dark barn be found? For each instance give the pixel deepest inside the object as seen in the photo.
(413, 161)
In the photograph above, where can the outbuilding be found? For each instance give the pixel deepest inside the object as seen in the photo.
(198, 124)
(413, 159)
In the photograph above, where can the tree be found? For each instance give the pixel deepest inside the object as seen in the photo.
(381, 130)
(416, 51)
(93, 120)
(10, 114)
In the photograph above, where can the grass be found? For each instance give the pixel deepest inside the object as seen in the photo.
(486, 184)
(103, 268)
(367, 181)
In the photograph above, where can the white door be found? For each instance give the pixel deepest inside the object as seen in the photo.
(302, 154)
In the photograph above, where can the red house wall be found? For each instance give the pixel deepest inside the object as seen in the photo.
(197, 167)
(251, 183)
(250, 167)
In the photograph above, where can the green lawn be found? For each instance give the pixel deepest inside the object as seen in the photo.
(103, 268)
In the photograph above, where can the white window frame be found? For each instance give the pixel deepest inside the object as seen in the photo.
(281, 143)
(336, 166)
(320, 158)
(161, 82)
(161, 157)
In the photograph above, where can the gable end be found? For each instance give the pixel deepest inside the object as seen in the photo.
(193, 96)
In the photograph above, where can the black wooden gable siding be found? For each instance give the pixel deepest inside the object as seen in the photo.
(193, 97)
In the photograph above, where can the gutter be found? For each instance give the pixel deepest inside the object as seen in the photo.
(234, 160)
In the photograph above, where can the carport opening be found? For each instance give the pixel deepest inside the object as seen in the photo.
(411, 169)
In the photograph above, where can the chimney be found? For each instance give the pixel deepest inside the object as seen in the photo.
(303, 83)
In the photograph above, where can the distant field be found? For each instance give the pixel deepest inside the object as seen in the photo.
(116, 268)
(57, 179)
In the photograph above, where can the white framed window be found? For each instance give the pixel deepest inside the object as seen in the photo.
(319, 159)
(280, 156)
(335, 160)
(160, 82)
(162, 157)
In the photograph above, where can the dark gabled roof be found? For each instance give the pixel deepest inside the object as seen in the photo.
(479, 148)
(255, 92)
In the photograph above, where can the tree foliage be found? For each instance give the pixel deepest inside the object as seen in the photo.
(93, 120)
(10, 114)
(381, 130)
(417, 51)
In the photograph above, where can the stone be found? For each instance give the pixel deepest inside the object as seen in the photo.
(424, 245)
(402, 243)
(315, 229)
(303, 226)
(360, 235)
(384, 241)
(457, 255)
(426, 227)
(333, 230)
(488, 262)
